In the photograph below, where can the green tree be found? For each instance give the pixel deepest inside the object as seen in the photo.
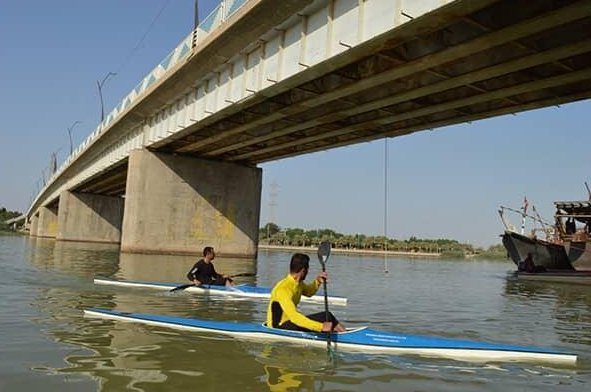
(269, 230)
(6, 215)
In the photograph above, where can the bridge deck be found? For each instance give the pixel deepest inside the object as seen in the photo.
(454, 65)
(465, 61)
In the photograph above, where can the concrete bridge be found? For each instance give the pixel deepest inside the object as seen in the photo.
(174, 166)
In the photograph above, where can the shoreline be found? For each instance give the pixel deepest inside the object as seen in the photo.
(364, 252)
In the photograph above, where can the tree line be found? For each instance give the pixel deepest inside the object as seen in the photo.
(272, 234)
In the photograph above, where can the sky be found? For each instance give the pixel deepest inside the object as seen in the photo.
(445, 183)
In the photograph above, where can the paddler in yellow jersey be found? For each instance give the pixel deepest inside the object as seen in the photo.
(282, 311)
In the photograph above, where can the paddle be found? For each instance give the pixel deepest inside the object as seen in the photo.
(323, 253)
(184, 286)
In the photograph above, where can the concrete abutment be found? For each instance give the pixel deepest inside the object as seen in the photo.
(179, 204)
(90, 218)
(47, 223)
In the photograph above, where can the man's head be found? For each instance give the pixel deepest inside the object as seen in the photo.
(208, 253)
(299, 264)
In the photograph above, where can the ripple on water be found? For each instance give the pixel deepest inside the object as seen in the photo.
(45, 289)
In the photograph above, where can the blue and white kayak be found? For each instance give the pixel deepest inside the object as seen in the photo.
(242, 290)
(359, 339)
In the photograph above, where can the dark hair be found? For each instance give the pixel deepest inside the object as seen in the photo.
(207, 249)
(298, 262)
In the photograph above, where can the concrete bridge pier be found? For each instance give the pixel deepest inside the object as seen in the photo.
(34, 225)
(47, 224)
(89, 217)
(179, 204)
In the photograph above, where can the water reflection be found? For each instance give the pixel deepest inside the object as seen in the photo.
(570, 306)
(73, 258)
(290, 368)
(174, 268)
(122, 355)
(459, 299)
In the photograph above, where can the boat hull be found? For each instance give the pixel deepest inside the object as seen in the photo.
(245, 291)
(549, 255)
(579, 254)
(359, 339)
(571, 277)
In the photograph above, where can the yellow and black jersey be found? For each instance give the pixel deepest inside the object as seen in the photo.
(285, 297)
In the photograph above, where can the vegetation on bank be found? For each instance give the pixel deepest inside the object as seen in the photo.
(272, 234)
(6, 215)
(493, 252)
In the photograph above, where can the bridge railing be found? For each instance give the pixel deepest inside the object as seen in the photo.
(219, 15)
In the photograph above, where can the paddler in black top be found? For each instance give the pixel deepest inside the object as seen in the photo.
(282, 311)
(203, 272)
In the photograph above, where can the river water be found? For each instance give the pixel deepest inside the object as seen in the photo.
(46, 343)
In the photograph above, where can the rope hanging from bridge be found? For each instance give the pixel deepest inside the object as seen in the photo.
(385, 205)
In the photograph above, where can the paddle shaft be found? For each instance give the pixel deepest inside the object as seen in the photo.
(326, 317)
(243, 274)
(325, 294)
(323, 254)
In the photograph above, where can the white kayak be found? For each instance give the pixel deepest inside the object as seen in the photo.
(242, 290)
(359, 339)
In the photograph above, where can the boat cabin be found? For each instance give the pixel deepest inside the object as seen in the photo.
(573, 220)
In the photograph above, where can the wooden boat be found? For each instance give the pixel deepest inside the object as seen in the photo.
(573, 221)
(359, 339)
(242, 290)
(550, 255)
(548, 252)
(567, 242)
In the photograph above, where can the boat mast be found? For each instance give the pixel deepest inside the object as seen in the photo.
(545, 229)
(525, 204)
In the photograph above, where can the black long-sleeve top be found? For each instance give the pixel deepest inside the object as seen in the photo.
(204, 273)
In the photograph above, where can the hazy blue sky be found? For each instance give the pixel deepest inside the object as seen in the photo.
(445, 183)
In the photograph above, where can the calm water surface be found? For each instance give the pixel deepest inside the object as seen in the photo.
(46, 343)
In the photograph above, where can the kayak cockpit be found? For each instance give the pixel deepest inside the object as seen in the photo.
(347, 332)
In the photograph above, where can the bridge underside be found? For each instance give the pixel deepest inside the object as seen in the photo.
(463, 62)
(110, 183)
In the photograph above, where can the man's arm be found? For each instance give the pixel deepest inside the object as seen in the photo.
(310, 289)
(193, 273)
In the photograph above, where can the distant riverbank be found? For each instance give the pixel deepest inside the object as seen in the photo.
(366, 252)
(9, 232)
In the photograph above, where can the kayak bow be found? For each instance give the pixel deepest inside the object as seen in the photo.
(242, 290)
(359, 339)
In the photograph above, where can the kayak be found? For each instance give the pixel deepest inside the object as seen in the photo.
(242, 290)
(358, 339)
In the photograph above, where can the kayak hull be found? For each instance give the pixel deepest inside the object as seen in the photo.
(246, 291)
(359, 339)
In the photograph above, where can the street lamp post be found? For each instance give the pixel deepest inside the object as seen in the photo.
(100, 90)
(70, 128)
(196, 21)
